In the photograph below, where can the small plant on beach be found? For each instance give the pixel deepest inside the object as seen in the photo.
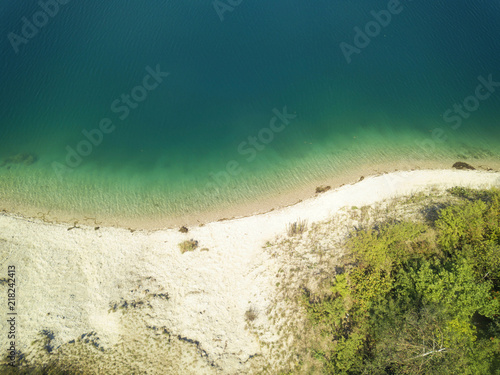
(296, 228)
(251, 314)
(189, 245)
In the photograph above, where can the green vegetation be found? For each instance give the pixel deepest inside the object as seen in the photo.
(297, 228)
(251, 314)
(415, 298)
(190, 245)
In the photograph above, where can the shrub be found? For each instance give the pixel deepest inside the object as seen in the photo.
(473, 194)
(297, 227)
(415, 298)
(189, 245)
(390, 244)
(251, 314)
(475, 223)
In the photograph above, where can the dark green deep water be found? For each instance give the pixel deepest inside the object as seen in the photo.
(173, 150)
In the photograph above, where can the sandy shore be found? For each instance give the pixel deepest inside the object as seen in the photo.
(73, 282)
(135, 218)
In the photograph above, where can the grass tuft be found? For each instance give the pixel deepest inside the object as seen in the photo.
(189, 245)
(251, 314)
(296, 228)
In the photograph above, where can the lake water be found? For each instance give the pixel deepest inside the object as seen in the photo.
(113, 109)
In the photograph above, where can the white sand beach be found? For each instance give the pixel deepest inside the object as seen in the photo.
(115, 282)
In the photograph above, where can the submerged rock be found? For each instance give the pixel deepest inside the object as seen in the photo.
(21, 158)
(462, 165)
(322, 189)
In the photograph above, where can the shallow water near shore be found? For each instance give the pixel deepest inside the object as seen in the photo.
(274, 72)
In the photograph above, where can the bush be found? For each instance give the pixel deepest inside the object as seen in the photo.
(189, 245)
(251, 314)
(297, 228)
(473, 194)
(416, 298)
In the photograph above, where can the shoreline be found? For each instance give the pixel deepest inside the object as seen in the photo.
(242, 210)
(209, 289)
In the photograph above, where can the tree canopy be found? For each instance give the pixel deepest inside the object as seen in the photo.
(417, 298)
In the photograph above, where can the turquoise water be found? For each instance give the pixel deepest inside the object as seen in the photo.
(179, 147)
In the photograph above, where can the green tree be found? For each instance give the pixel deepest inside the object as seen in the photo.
(417, 298)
